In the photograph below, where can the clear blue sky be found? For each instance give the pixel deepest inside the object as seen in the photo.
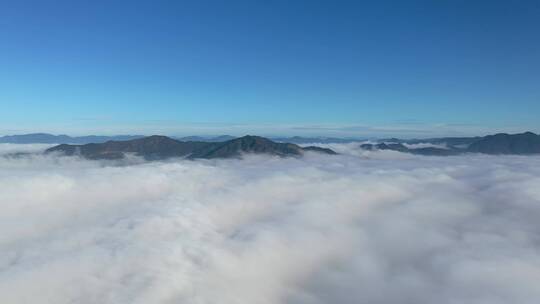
(349, 68)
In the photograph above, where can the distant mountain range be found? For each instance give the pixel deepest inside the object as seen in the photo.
(159, 147)
(524, 143)
(520, 144)
(162, 147)
(44, 138)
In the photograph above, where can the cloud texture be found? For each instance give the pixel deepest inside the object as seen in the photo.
(360, 228)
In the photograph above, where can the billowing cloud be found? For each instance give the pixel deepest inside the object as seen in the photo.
(366, 227)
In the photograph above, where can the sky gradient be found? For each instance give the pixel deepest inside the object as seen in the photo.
(336, 68)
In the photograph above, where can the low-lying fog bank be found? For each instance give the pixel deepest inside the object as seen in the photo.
(364, 227)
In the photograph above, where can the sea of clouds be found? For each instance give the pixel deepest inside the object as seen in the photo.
(362, 227)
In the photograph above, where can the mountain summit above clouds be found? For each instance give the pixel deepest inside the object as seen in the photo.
(161, 147)
(519, 144)
(524, 143)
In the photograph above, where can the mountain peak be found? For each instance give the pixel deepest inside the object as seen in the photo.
(523, 143)
(248, 144)
(161, 147)
(500, 143)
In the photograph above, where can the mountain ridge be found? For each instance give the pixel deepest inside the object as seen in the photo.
(46, 138)
(527, 143)
(158, 147)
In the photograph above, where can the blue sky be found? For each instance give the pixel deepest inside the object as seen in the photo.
(339, 68)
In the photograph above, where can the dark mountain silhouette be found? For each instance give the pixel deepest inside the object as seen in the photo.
(152, 147)
(247, 144)
(44, 138)
(524, 143)
(319, 150)
(162, 147)
(392, 146)
(520, 144)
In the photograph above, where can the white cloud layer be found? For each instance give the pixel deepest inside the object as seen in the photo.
(360, 228)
